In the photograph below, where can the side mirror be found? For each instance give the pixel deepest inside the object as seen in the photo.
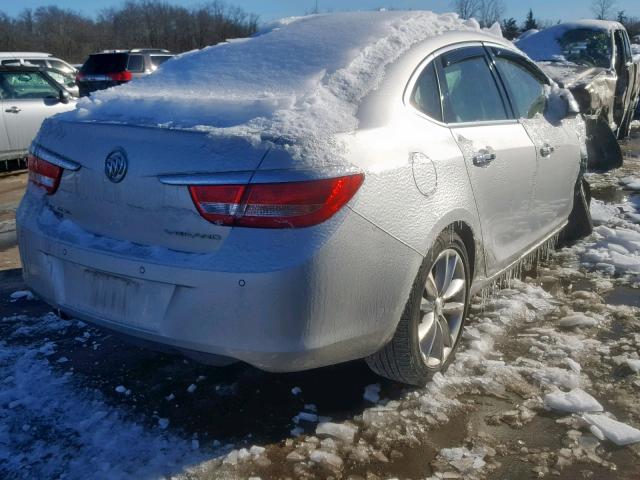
(561, 104)
(64, 96)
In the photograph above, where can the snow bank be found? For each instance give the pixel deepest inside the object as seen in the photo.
(575, 401)
(301, 80)
(632, 183)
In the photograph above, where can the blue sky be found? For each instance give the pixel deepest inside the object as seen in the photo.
(271, 9)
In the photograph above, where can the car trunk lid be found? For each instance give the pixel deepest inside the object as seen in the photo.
(135, 205)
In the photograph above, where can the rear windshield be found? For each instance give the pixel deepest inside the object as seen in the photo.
(105, 63)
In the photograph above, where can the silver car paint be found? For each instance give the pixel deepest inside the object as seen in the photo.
(284, 300)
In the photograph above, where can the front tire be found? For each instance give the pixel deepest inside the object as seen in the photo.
(431, 326)
(579, 224)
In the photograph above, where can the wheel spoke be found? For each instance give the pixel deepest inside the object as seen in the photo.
(425, 325)
(452, 261)
(427, 335)
(455, 287)
(441, 273)
(437, 350)
(426, 305)
(447, 341)
(452, 308)
(431, 290)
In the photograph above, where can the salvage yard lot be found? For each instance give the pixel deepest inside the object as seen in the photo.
(77, 402)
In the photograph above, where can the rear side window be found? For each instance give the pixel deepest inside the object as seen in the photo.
(58, 65)
(469, 91)
(426, 94)
(525, 90)
(136, 63)
(103, 63)
(158, 60)
(37, 62)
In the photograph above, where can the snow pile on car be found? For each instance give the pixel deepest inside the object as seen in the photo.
(300, 81)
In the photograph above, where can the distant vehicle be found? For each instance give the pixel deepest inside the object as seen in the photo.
(39, 59)
(593, 58)
(29, 95)
(61, 71)
(357, 222)
(114, 67)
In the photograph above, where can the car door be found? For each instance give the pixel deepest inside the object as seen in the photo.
(557, 145)
(499, 155)
(28, 99)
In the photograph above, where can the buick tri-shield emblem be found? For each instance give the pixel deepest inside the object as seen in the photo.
(115, 166)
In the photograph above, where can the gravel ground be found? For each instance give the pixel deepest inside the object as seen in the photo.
(77, 402)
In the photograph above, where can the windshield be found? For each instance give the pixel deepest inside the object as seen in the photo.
(105, 63)
(64, 79)
(586, 47)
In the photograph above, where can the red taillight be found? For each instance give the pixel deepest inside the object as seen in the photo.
(275, 205)
(44, 174)
(120, 76)
(79, 77)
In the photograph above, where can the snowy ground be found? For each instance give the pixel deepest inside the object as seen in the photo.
(546, 367)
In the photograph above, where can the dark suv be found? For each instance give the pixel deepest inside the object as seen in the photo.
(114, 67)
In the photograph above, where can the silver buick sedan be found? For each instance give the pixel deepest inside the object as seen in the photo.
(336, 187)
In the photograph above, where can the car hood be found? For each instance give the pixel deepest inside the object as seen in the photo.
(569, 75)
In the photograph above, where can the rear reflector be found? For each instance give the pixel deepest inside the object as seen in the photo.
(44, 174)
(275, 205)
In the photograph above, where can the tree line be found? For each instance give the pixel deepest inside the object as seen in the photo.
(487, 12)
(136, 24)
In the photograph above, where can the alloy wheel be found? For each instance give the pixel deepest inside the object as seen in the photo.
(442, 308)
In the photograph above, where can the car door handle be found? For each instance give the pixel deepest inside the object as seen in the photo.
(483, 158)
(13, 110)
(546, 150)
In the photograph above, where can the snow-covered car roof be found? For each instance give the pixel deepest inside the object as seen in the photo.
(25, 54)
(301, 78)
(544, 45)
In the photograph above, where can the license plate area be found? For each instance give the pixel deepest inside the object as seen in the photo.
(133, 302)
(109, 296)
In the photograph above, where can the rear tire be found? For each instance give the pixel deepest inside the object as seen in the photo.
(580, 223)
(431, 326)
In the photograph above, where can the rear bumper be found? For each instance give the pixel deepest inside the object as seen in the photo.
(339, 303)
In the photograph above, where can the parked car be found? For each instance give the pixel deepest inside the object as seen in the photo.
(330, 190)
(28, 95)
(115, 67)
(593, 58)
(59, 70)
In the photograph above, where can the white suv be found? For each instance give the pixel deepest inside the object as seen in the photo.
(59, 70)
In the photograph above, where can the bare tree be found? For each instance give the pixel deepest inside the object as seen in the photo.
(602, 8)
(466, 8)
(487, 12)
(490, 12)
